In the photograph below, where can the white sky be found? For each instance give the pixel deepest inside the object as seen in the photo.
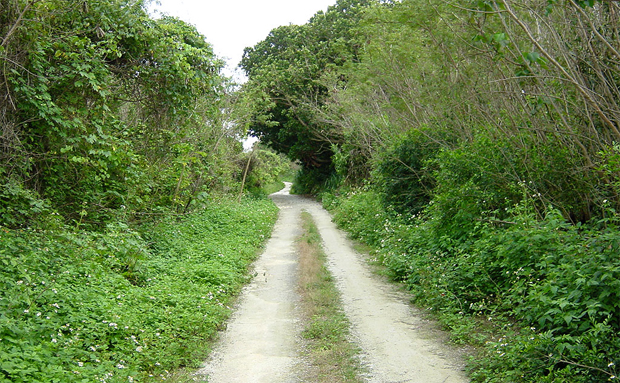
(232, 25)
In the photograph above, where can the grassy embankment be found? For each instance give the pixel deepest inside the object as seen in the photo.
(332, 355)
(124, 305)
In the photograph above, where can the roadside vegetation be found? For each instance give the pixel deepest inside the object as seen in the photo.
(333, 356)
(122, 305)
(534, 295)
(129, 211)
(474, 145)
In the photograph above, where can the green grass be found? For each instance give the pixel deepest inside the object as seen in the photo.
(274, 187)
(122, 305)
(333, 357)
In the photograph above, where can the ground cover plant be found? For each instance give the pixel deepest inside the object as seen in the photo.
(123, 305)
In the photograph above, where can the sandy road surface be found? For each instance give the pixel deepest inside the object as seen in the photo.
(261, 342)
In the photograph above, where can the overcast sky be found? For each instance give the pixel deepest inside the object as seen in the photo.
(232, 25)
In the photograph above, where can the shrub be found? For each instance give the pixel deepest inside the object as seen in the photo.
(20, 206)
(402, 174)
(362, 215)
(549, 289)
(471, 180)
(315, 180)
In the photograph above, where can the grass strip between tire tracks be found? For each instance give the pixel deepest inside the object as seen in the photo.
(333, 357)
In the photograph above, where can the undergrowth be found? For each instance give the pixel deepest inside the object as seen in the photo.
(123, 305)
(540, 297)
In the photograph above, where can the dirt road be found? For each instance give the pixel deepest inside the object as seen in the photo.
(261, 343)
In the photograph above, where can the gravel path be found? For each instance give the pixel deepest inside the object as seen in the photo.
(261, 343)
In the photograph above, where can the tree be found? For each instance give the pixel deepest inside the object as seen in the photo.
(285, 72)
(537, 77)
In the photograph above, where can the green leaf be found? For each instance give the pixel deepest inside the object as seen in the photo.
(586, 3)
(532, 57)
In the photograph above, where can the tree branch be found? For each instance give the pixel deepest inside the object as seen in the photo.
(17, 22)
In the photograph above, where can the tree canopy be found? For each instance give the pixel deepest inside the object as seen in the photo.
(285, 84)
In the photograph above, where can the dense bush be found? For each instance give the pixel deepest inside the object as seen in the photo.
(403, 173)
(18, 205)
(314, 180)
(105, 109)
(487, 242)
(116, 306)
(550, 287)
(361, 213)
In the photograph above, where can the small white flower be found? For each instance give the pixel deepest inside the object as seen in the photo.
(26, 311)
(139, 349)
